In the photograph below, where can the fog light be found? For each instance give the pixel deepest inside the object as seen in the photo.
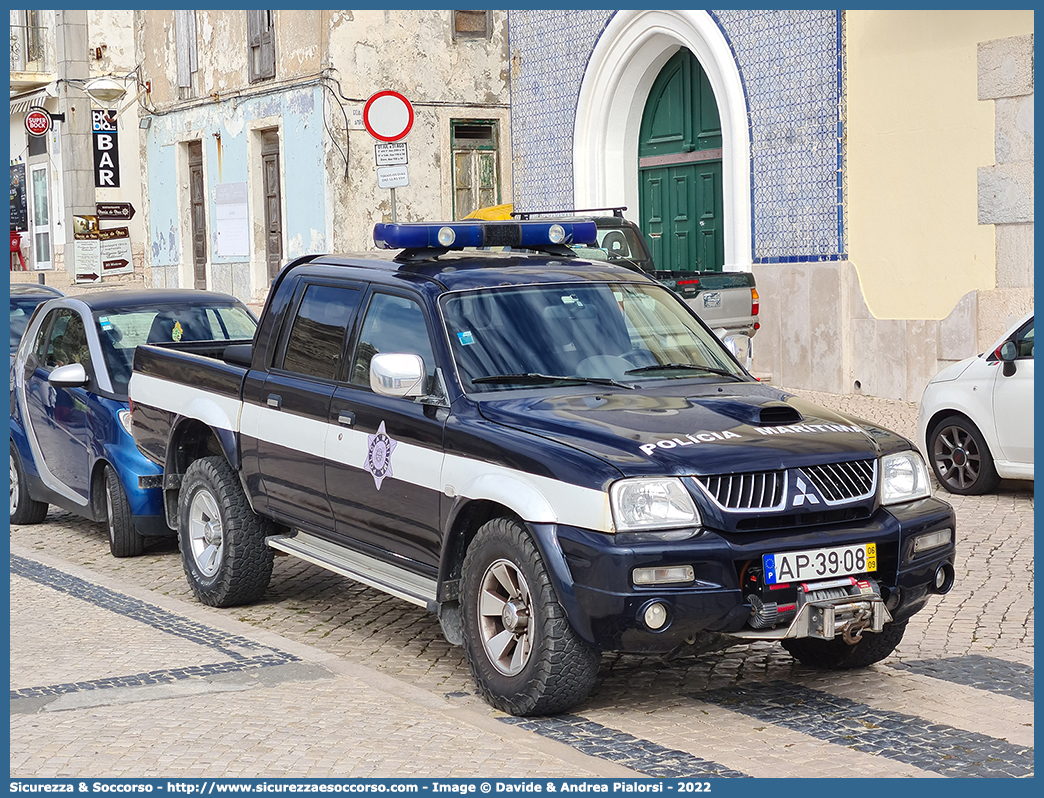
(447, 236)
(932, 540)
(944, 577)
(655, 615)
(671, 575)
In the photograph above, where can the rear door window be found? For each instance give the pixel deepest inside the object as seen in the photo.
(316, 342)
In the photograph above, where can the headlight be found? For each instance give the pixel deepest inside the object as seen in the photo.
(904, 477)
(125, 421)
(644, 504)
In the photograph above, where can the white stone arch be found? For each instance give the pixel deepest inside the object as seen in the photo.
(624, 64)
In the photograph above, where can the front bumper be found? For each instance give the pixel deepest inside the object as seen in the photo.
(592, 574)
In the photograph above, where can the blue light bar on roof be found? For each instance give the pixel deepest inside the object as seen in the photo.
(457, 235)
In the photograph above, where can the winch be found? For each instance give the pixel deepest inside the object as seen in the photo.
(845, 606)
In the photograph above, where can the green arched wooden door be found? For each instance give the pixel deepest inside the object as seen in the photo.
(679, 169)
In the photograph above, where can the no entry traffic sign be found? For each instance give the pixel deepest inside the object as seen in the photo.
(388, 116)
(37, 122)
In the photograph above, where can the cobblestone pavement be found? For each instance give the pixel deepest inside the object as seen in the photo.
(117, 671)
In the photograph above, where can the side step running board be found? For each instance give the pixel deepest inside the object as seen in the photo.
(398, 582)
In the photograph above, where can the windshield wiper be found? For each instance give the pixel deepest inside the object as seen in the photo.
(687, 366)
(544, 378)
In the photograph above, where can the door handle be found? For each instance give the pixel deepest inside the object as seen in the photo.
(275, 401)
(346, 418)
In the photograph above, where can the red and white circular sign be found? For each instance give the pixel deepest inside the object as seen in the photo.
(388, 116)
(38, 122)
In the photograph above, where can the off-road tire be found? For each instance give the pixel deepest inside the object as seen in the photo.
(837, 655)
(560, 669)
(956, 436)
(124, 539)
(237, 567)
(24, 508)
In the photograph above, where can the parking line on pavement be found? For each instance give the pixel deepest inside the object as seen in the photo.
(644, 756)
(243, 654)
(974, 670)
(154, 677)
(934, 747)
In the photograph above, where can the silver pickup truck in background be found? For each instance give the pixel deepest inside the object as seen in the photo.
(726, 301)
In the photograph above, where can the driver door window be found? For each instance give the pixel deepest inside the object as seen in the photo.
(392, 324)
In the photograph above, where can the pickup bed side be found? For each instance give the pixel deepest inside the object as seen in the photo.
(192, 423)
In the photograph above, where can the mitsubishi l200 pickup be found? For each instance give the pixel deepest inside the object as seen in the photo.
(553, 455)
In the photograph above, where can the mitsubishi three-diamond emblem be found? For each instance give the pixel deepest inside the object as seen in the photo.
(803, 494)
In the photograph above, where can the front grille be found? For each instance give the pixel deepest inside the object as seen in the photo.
(839, 516)
(838, 482)
(763, 490)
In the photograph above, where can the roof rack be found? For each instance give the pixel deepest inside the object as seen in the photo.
(568, 212)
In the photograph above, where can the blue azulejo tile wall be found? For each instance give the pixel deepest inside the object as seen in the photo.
(791, 64)
(549, 51)
(792, 67)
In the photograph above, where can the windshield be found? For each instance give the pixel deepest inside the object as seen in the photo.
(615, 244)
(121, 330)
(507, 338)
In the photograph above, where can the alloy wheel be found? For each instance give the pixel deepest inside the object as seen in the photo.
(505, 617)
(14, 486)
(957, 456)
(205, 533)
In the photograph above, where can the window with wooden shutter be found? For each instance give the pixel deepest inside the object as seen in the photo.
(476, 172)
(185, 44)
(260, 45)
(471, 25)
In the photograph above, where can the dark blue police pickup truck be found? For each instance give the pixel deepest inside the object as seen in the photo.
(556, 456)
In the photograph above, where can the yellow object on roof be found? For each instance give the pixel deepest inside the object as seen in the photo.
(494, 213)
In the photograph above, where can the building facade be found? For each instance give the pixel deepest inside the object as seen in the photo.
(846, 158)
(83, 159)
(255, 146)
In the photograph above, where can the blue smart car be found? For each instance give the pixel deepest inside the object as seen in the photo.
(71, 443)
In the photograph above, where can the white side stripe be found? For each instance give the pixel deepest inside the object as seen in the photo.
(534, 498)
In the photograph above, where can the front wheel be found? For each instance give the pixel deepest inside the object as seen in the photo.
(124, 539)
(222, 540)
(24, 508)
(960, 457)
(523, 654)
(837, 655)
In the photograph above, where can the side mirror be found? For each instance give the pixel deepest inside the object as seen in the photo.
(398, 375)
(1007, 353)
(72, 376)
(239, 354)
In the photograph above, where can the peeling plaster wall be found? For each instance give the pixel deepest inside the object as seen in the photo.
(327, 64)
(228, 159)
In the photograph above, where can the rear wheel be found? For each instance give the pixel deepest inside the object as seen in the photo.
(837, 655)
(960, 457)
(523, 654)
(124, 540)
(24, 508)
(222, 540)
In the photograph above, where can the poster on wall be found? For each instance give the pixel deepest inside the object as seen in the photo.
(19, 206)
(230, 220)
(86, 249)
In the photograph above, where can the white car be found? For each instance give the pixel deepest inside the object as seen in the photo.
(975, 426)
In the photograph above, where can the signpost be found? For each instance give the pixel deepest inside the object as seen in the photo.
(38, 122)
(106, 150)
(115, 251)
(123, 211)
(388, 117)
(87, 249)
